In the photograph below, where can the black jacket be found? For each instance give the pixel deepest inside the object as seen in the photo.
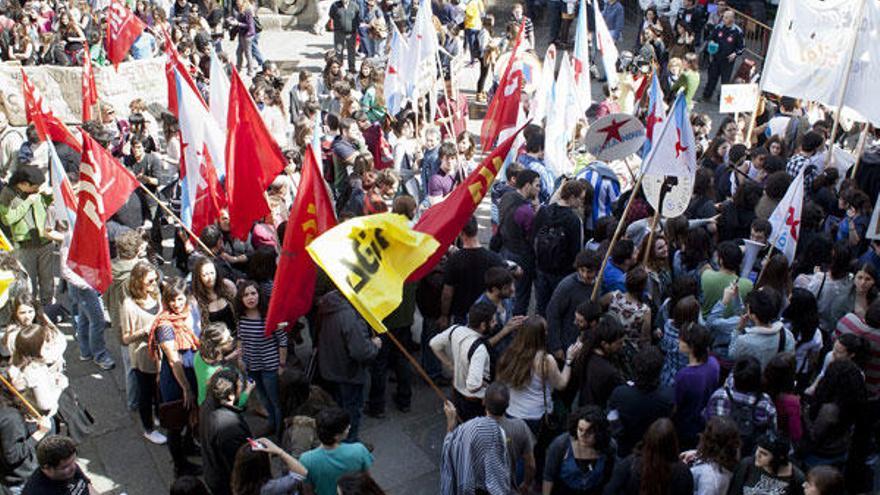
(18, 459)
(222, 430)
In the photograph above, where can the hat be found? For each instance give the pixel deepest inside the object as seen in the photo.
(27, 173)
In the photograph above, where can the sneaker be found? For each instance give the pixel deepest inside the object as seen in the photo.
(156, 437)
(85, 358)
(105, 364)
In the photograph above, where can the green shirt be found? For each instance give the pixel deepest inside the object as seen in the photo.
(326, 466)
(204, 372)
(690, 81)
(24, 215)
(713, 284)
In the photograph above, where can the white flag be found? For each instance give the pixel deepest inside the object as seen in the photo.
(557, 132)
(606, 46)
(219, 92)
(786, 219)
(420, 67)
(544, 92)
(809, 49)
(395, 86)
(580, 58)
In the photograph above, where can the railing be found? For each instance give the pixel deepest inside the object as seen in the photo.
(756, 33)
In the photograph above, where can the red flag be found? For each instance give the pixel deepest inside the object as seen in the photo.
(105, 186)
(310, 216)
(504, 108)
(123, 28)
(445, 220)
(253, 160)
(89, 92)
(47, 125)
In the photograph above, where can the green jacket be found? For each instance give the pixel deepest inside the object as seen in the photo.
(24, 214)
(690, 81)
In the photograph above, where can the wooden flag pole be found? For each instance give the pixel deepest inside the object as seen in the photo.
(753, 119)
(620, 223)
(843, 87)
(17, 394)
(176, 219)
(860, 149)
(421, 371)
(648, 247)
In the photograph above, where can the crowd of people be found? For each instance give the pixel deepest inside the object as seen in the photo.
(671, 369)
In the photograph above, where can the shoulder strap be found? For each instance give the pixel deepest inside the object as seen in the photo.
(781, 340)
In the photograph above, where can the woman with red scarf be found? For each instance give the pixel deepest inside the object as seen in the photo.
(174, 340)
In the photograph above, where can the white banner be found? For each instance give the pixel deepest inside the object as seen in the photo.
(810, 47)
(738, 98)
(62, 87)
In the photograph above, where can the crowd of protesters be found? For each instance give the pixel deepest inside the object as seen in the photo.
(678, 370)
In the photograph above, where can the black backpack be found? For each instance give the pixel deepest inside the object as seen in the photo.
(743, 414)
(551, 245)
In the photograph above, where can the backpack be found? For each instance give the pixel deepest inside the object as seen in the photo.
(551, 246)
(743, 414)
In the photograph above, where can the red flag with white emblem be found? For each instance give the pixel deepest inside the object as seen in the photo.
(504, 108)
(310, 216)
(104, 187)
(123, 28)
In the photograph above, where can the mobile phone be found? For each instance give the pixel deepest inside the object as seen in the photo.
(255, 445)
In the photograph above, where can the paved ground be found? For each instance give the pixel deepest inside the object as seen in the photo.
(119, 460)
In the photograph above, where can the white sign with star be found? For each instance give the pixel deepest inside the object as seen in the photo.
(738, 98)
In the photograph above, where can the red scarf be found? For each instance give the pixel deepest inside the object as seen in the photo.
(184, 338)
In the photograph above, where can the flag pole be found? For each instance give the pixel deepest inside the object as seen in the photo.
(614, 238)
(843, 87)
(860, 149)
(421, 371)
(753, 119)
(176, 219)
(648, 246)
(621, 221)
(31, 409)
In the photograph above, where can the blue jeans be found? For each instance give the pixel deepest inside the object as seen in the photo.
(90, 324)
(523, 285)
(267, 385)
(255, 51)
(350, 397)
(472, 41)
(131, 384)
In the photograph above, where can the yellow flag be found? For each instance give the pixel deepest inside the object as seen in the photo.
(5, 245)
(369, 258)
(6, 280)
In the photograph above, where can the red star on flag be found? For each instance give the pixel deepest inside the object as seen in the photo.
(612, 130)
(792, 222)
(578, 69)
(729, 99)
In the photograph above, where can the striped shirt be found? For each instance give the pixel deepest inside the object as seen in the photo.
(475, 457)
(260, 353)
(851, 323)
(605, 190)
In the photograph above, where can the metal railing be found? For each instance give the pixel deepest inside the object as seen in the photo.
(756, 33)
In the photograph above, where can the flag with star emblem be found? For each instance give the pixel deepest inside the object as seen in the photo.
(786, 219)
(738, 98)
(310, 216)
(674, 152)
(581, 57)
(656, 114)
(504, 107)
(202, 145)
(671, 165)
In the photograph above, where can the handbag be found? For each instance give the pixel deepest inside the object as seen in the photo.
(552, 422)
(173, 415)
